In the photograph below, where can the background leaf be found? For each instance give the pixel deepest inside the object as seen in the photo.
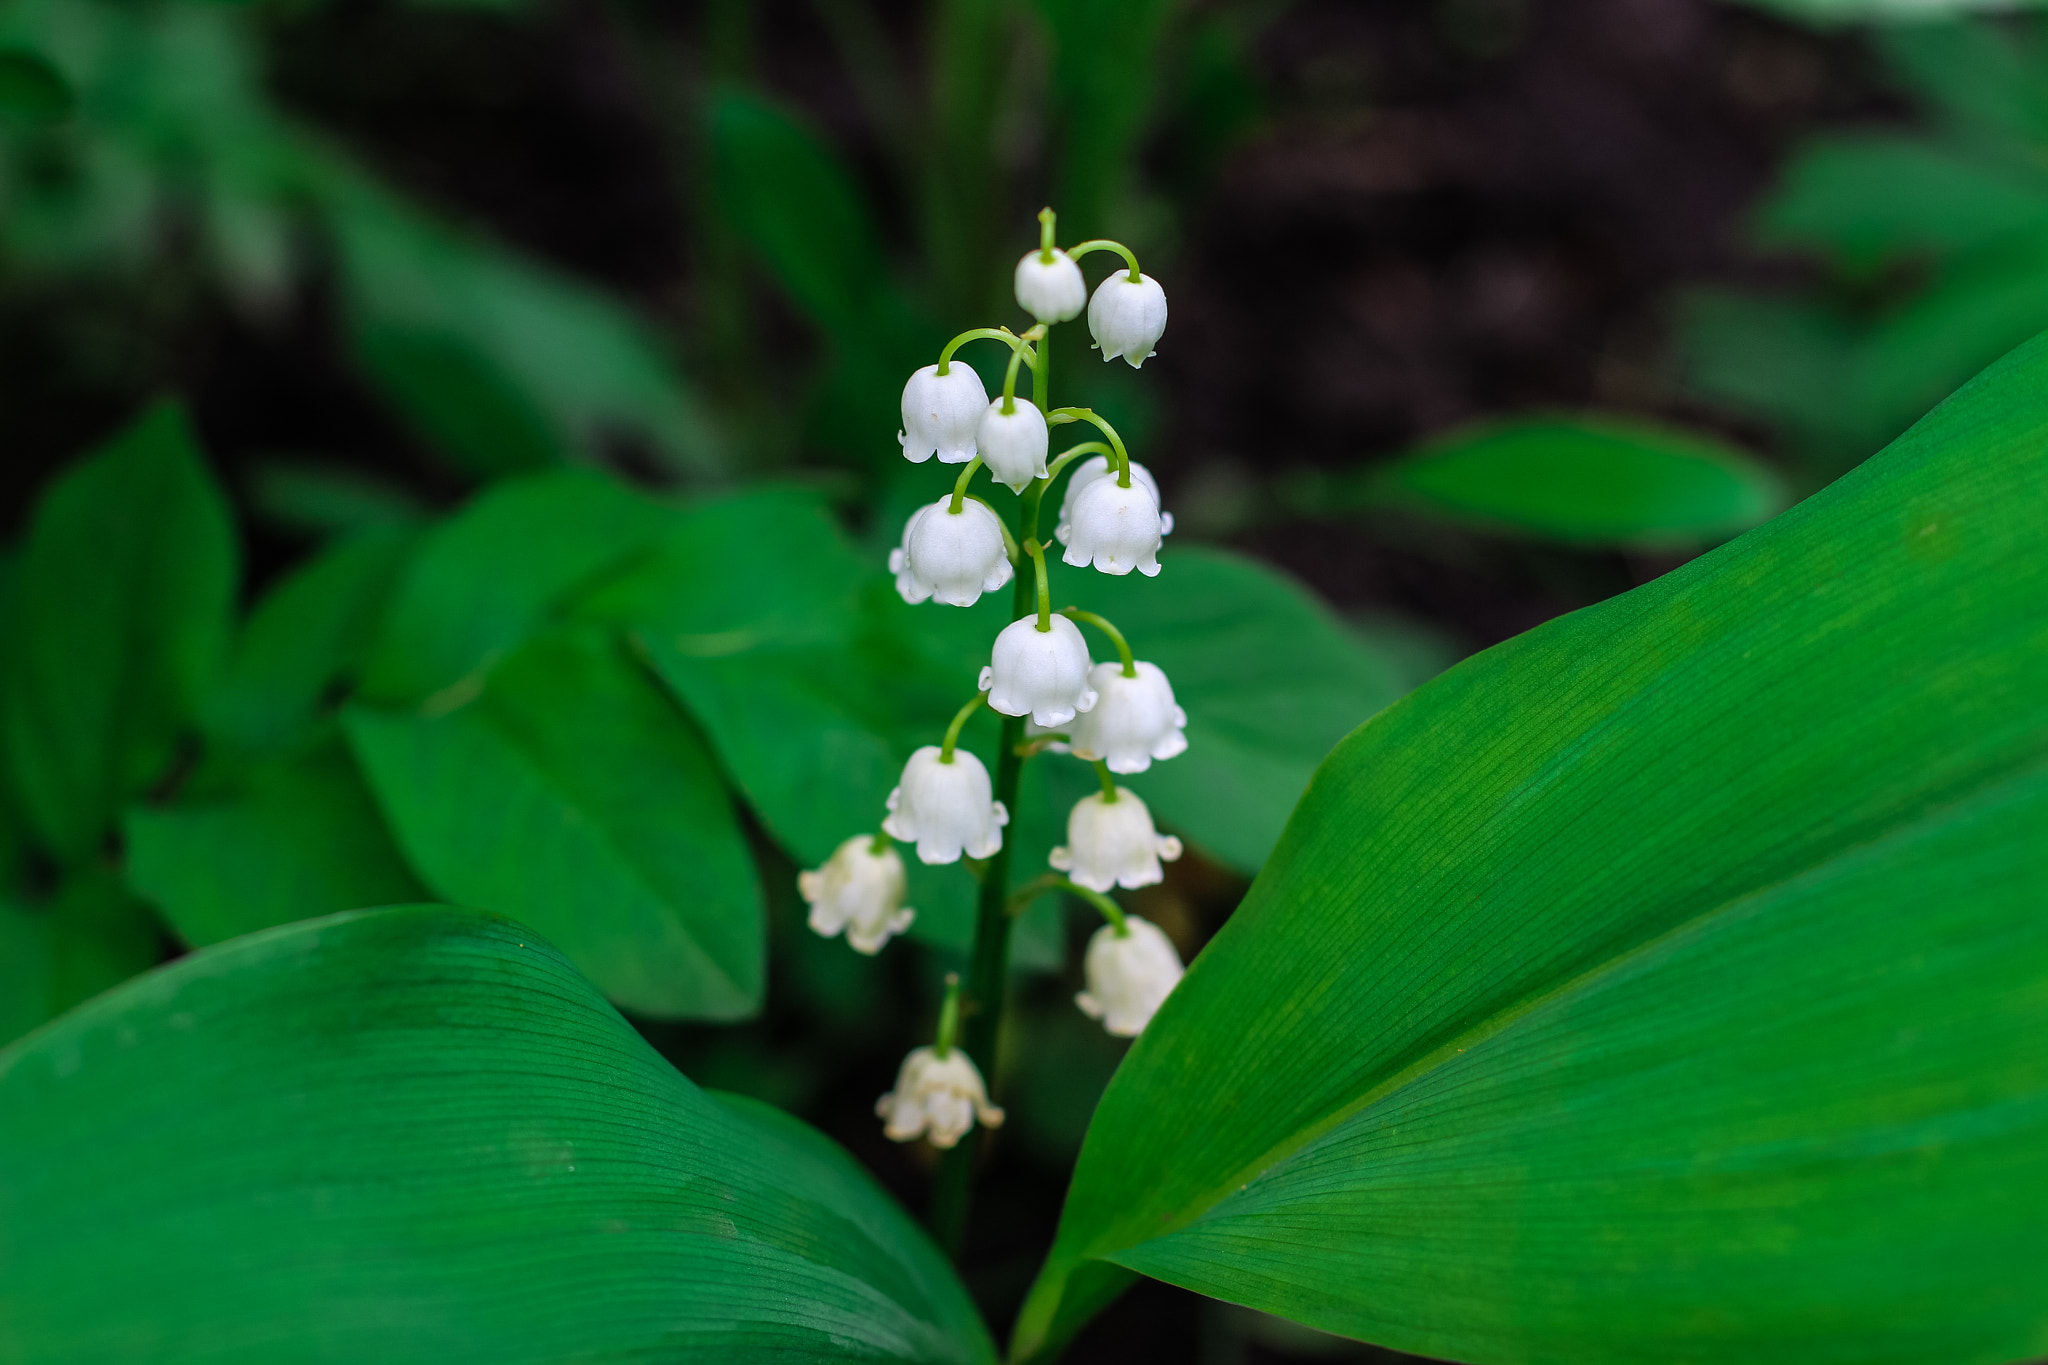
(417, 1135)
(483, 580)
(1578, 479)
(91, 935)
(291, 838)
(1662, 984)
(31, 88)
(120, 611)
(573, 795)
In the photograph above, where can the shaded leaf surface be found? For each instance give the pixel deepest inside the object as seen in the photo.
(572, 794)
(1665, 983)
(120, 616)
(91, 935)
(417, 1135)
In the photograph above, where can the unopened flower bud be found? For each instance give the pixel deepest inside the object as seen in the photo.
(1133, 721)
(1099, 467)
(940, 413)
(1113, 843)
(936, 1097)
(860, 891)
(1115, 528)
(1130, 974)
(1013, 444)
(1042, 674)
(1051, 291)
(952, 556)
(1127, 318)
(946, 808)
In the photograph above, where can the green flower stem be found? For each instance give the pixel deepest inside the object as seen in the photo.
(1010, 383)
(1116, 637)
(1046, 221)
(953, 730)
(1010, 550)
(1104, 244)
(960, 484)
(949, 1018)
(1111, 911)
(1002, 334)
(1072, 453)
(1108, 782)
(988, 970)
(1038, 744)
(1037, 553)
(879, 845)
(1123, 459)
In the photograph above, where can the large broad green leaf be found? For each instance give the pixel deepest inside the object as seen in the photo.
(91, 935)
(485, 579)
(1664, 984)
(1583, 480)
(121, 608)
(307, 636)
(417, 1135)
(291, 838)
(573, 795)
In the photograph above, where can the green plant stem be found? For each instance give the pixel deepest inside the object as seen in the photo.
(953, 730)
(1002, 334)
(988, 967)
(960, 485)
(1123, 459)
(1072, 453)
(1104, 244)
(1037, 553)
(1108, 782)
(949, 1018)
(1116, 637)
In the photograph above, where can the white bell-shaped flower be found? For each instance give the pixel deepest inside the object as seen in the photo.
(1051, 291)
(936, 1097)
(1013, 444)
(1099, 467)
(860, 891)
(1117, 529)
(1042, 674)
(1113, 843)
(940, 413)
(1127, 317)
(1133, 721)
(946, 808)
(1130, 974)
(952, 556)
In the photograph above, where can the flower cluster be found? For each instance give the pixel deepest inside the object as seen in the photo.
(1119, 716)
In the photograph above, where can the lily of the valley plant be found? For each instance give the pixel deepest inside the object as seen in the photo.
(1055, 698)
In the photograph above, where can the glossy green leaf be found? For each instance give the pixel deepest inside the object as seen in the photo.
(121, 606)
(292, 838)
(573, 795)
(306, 637)
(1580, 479)
(485, 579)
(417, 1135)
(92, 934)
(1664, 984)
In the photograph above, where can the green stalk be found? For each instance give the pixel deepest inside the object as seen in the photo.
(988, 967)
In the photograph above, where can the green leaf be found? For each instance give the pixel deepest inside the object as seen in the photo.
(1579, 479)
(1106, 60)
(1664, 984)
(90, 936)
(792, 198)
(31, 88)
(309, 634)
(573, 795)
(488, 577)
(292, 839)
(1912, 13)
(121, 609)
(417, 1135)
(460, 399)
(308, 497)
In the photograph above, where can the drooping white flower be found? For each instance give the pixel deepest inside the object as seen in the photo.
(1051, 291)
(1133, 721)
(1013, 444)
(940, 413)
(1127, 318)
(1115, 528)
(936, 1097)
(954, 557)
(946, 808)
(1099, 467)
(860, 891)
(1042, 674)
(1113, 843)
(1129, 975)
